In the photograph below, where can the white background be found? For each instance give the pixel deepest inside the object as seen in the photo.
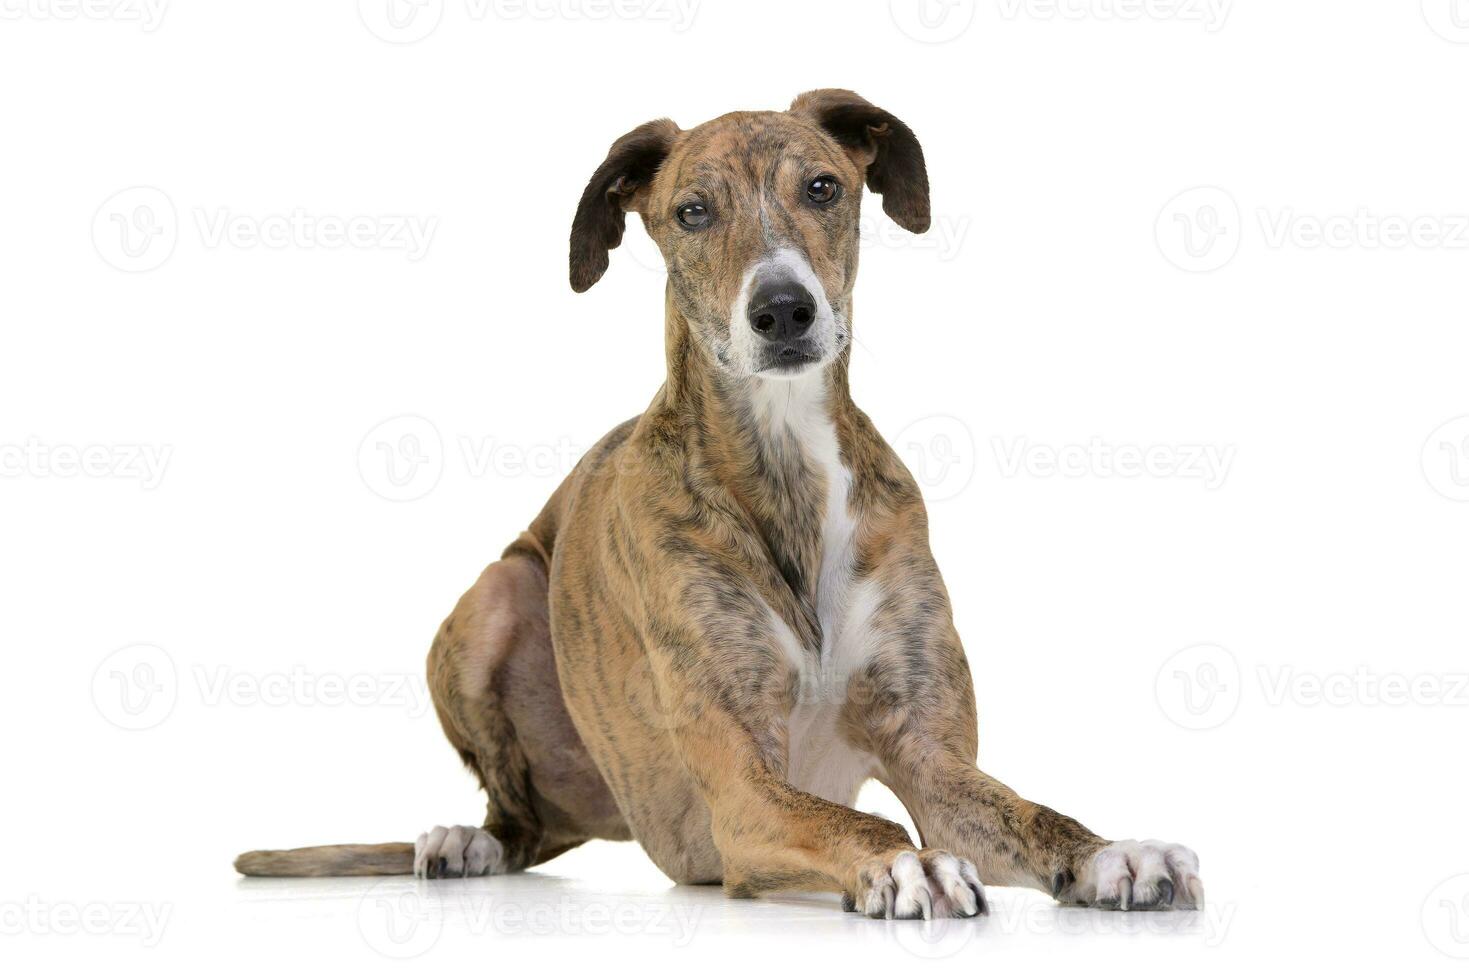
(1264, 659)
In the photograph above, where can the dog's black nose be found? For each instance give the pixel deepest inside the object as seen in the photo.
(781, 310)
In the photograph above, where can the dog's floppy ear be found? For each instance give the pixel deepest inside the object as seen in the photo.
(613, 191)
(881, 143)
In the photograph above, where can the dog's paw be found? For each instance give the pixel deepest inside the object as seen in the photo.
(456, 852)
(1129, 874)
(926, 884)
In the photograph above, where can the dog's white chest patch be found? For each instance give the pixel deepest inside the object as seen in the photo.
(821, 761)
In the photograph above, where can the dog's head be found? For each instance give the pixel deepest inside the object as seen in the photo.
(756, 215)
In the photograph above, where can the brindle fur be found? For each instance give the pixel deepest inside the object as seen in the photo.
(652, 570)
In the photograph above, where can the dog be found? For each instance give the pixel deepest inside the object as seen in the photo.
(727, 618)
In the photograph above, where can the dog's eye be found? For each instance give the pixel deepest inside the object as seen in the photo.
(693, 215)
(823, 190)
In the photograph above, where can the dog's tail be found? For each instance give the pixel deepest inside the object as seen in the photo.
(328, 861)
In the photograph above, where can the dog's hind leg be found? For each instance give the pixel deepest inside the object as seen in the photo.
(492, 674)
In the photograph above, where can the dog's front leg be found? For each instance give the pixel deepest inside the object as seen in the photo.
(774, 837)
(919, 715)
(726, 691)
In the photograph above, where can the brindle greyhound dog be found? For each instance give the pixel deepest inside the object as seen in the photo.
(727, 618)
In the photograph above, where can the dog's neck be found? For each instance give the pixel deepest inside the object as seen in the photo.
(728, 416)
(774, 449)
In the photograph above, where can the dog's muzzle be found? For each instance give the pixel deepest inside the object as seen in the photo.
(781, 313)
